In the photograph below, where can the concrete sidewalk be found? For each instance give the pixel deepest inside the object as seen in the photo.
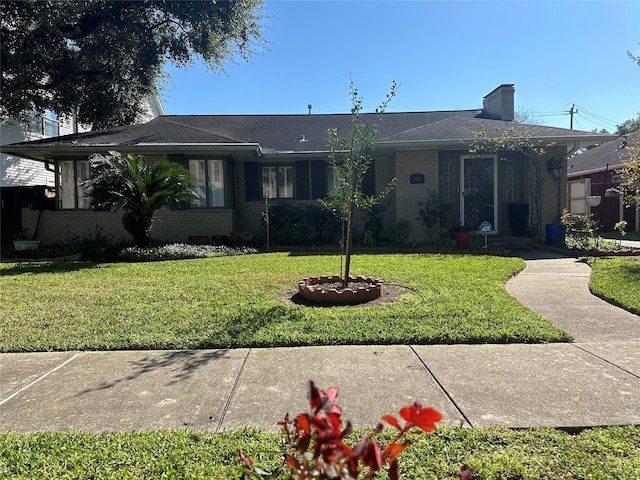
(595, 381)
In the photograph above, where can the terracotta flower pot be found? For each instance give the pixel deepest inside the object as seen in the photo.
(462, 237)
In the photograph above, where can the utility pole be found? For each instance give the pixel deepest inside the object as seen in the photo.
(571, 112)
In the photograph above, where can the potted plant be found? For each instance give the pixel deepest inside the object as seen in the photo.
(23, 242)
(462, 236)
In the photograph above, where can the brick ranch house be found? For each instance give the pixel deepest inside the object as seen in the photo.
(596, 173)
(236, 159)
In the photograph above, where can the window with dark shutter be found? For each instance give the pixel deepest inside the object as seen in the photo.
(302, 180)
(252, 182)
(369, 181)
(318, 179)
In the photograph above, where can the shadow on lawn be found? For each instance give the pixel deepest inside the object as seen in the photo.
(46, 267)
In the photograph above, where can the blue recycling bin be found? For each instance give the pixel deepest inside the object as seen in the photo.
(555, 233)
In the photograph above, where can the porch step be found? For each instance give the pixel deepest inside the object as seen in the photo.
(508, 243)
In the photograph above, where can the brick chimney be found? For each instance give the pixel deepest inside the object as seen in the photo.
(499, 103)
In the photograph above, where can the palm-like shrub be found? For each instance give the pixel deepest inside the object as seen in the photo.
(126, 182)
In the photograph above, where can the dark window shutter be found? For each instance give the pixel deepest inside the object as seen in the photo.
(182, 160)
(302, 188)
(369, 181)
(252, 184)
(318, 179)
(179, 159)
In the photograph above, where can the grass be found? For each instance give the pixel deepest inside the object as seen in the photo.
(497, 454)
(237, 302)
(617, 280)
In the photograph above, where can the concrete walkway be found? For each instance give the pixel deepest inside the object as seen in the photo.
(594, 381)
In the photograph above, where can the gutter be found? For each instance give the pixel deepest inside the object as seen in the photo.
(576, 141)
(45, 153)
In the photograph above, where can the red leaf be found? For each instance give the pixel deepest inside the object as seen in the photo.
(347, 430)
(466, 472)
(394, 469)
(292, 463)
(332, 393)
(314, 396)
(360, 446)
(248, 461)
(372, 457)
(394, 449)
(302, 423)
(391, 420)
(423, 418)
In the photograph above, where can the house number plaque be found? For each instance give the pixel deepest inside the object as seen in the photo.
(416, 178)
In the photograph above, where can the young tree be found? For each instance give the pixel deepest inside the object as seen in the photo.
(351, 156)
(126, 182)
(99, 59)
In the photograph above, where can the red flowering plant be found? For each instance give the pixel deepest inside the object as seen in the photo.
(317, 448)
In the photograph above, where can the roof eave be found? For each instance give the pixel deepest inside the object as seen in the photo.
(575, 142)
(46, 153)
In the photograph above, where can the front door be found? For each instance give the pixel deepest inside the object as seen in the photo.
(478, 192)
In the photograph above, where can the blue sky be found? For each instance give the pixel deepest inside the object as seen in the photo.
(444, 56)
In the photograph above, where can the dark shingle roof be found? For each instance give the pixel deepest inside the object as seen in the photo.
(460, 128)
(281, 133)
(288, 133)
(608, 155)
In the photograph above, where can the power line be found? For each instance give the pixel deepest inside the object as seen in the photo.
(599, 120)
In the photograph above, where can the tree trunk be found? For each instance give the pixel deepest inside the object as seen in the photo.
(347, 255)
(139, 226)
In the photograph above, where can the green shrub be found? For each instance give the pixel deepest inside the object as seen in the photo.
(580, 229)
(373, 225)
(402, 233)
(429, 212)
(301, 224)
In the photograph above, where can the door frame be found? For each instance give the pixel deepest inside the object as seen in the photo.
(496, 197)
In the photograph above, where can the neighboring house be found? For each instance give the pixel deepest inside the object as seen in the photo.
(31, 184)
(26, 183)
(238, 159)
(596, 173)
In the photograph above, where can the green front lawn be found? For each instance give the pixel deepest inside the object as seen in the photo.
(241, 301)
(617, 280)
(543, 453)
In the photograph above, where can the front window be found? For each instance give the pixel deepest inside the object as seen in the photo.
(209, 187)
(71, 193)
(277, 182)
(511, 181)
(448, 180)
(332, 180)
